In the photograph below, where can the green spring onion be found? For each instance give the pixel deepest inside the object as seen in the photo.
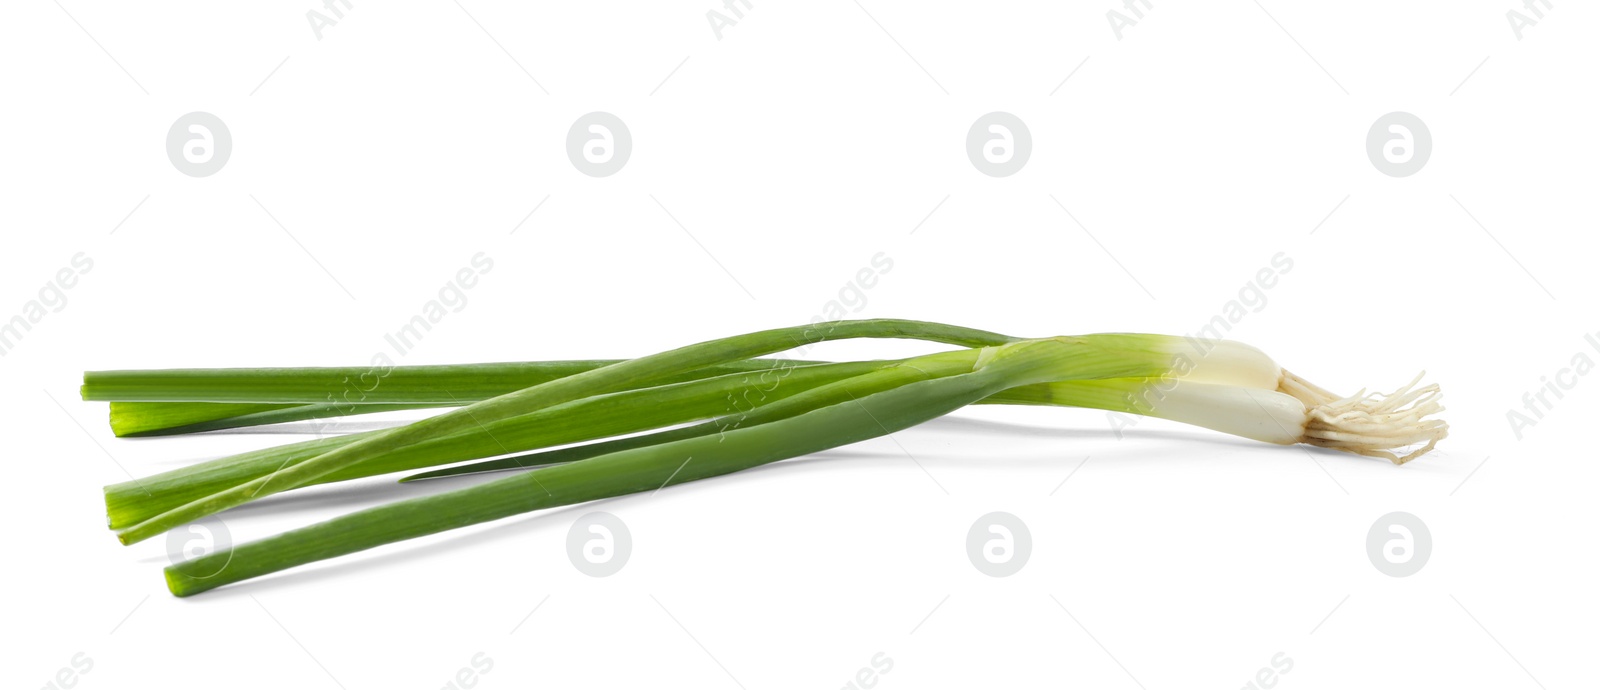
(740, 411)
(620, 376)
(183, 401)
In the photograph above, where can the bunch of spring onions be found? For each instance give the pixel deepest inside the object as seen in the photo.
(710, 409)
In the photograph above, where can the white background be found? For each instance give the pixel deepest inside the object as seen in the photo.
(806, 140)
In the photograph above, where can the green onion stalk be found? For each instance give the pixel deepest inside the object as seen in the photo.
(855, 409)
(166, 402)
(740, 411)
(607, 379)
(587, 419)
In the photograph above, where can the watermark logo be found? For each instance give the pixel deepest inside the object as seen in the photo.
(1120, 21)
(1267, 677)
(999, 544)
(1398, 144)
(720, 21)
(599, 144)
(52, 298)
(320, 21)
(852, 298)
(1520, 21)
(867, 677)
(599, 544)
(198, 539)
(1252, 298)
(199, 144)
(1399, 544)
(67, 677)
(468, 676)
(1552, 389)
(999, 144)
(451, 298)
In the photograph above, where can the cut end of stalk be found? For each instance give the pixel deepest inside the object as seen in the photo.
(177, 583)
(1374, 425)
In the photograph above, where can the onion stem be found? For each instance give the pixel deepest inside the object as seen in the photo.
(607, 379)
(927, 389)
(706, 409)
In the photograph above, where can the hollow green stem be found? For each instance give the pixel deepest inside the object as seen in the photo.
(605, 379)
(931, 393)
(165, 402)
(601, 416)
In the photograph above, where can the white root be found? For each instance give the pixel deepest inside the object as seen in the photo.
(1305, 391)
(1374, 425)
